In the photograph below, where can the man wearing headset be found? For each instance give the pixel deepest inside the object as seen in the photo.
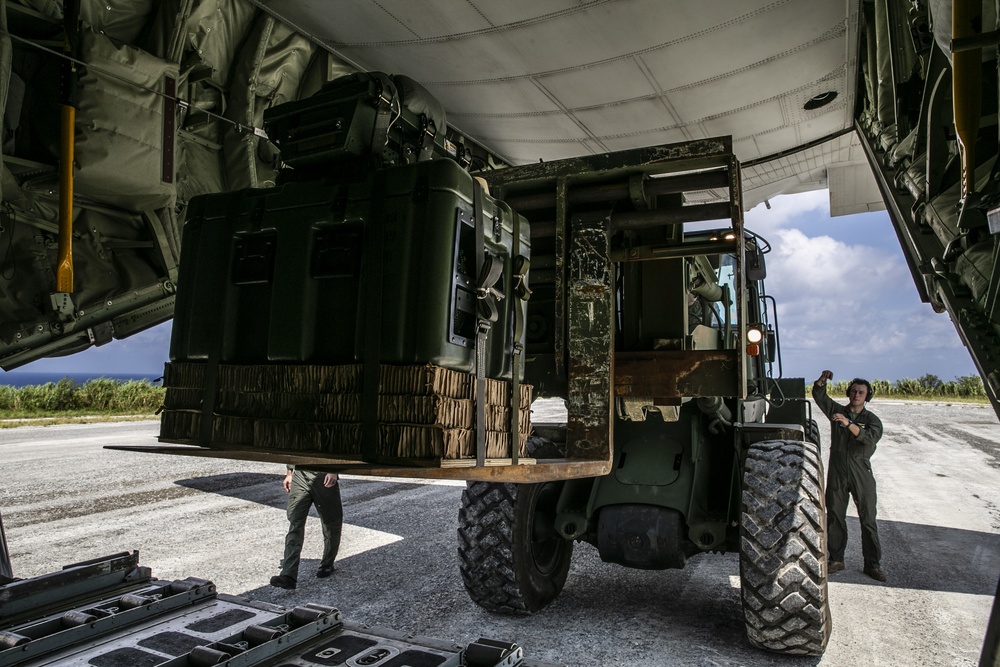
(854, 432)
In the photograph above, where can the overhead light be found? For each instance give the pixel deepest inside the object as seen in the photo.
(820, 100)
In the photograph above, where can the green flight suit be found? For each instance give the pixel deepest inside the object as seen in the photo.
(850, 474)
(307, 489)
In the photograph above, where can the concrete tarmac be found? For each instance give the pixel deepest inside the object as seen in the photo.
(65, 499)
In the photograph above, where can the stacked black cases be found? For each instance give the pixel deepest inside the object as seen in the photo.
(292, 274)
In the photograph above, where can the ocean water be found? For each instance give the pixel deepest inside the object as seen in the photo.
(24, 378)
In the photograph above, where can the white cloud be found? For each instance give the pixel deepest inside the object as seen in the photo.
(849, 304)
(788, 209)
(824, 275)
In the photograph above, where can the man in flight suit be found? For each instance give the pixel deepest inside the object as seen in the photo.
(854, 433)
(305, 488)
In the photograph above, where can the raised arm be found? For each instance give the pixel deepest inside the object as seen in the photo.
(825, 403)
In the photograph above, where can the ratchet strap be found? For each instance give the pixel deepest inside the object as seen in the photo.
(373, 263)
(520, 266)
(427, 133)
(487, 311)
(383, 114)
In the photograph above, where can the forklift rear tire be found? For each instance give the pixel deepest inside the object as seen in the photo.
(512, 559)
(812, 432)
(783, 548)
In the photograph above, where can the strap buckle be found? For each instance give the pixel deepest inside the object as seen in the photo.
(489, 292)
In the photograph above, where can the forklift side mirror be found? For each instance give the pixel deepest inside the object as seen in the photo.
(755, 263)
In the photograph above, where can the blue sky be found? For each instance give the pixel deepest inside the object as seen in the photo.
(141, 354)
(846, 300)
(845, 297)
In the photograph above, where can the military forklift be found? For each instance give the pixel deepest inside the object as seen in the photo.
(424, 275)
(649, 317)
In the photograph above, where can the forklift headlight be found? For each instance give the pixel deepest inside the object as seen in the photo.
(754, 335)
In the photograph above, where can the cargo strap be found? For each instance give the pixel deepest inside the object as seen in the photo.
(490, 269)
(384, 116)
(427, 133)
(167, 255)
(520, 266)
(215, 330)
(206, 425)
(487, 295)
(487, 313)
(373, 262)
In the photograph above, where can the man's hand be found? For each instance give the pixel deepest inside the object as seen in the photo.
(840, 420)
(286, 483)
(823, 377)
(330, 479)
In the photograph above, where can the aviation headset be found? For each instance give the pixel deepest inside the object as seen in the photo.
(871, 392)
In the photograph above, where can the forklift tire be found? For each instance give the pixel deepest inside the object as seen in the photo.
(783, 572)
(512, 559)
(812, 432)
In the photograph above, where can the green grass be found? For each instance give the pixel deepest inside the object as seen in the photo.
(68, 400)
(963, 389)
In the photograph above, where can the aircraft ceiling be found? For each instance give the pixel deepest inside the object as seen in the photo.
(547, 79)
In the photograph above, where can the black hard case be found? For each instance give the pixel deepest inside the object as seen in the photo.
(289, 274)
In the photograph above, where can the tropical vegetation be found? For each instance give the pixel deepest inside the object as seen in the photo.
(926, 387)
(103, 398)
(67, 398)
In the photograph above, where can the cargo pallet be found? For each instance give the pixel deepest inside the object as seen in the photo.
(110, 612)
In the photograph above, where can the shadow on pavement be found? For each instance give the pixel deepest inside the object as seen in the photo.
(927, 558)
(266, 489)
(916, 556)
(250, 486)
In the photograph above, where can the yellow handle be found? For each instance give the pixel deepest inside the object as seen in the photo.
(64, 272)
(967, 87)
